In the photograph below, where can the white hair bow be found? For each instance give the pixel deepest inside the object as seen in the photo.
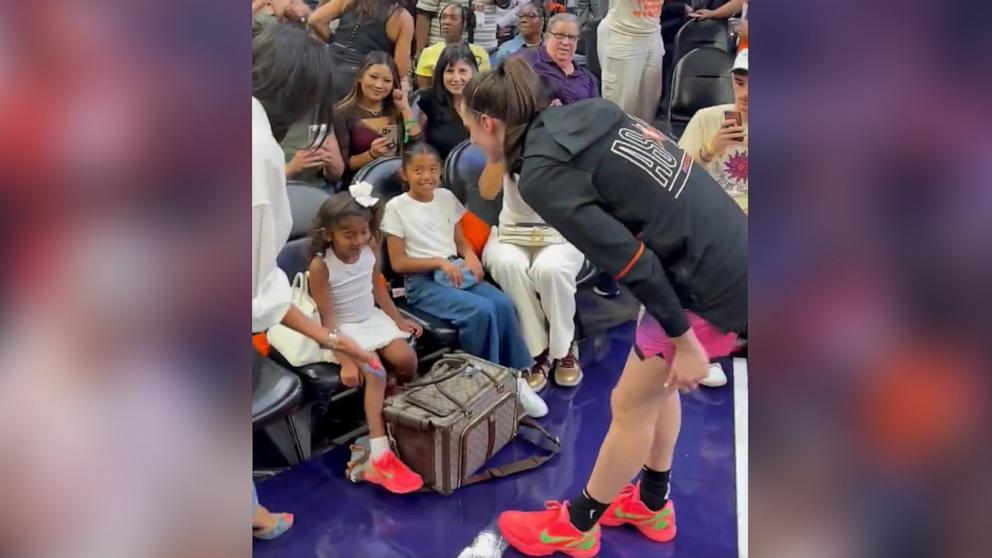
(362, 192)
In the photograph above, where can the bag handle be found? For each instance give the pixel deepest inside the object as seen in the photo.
(458, 365)
(301, 287)
(443, 361)
(548, 442)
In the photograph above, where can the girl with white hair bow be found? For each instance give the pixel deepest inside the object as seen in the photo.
(346, 286)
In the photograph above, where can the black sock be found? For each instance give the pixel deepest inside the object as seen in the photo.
(584, 511)
(654, 488)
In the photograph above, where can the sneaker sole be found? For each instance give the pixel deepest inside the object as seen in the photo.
(649, 533)
(395, 490)
(574, 383)
(714, 384)
(542, 387)
(523, 549)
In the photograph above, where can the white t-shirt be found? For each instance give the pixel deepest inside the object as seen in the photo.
(729, 168)
(428, 228)
(507, 17)
(515, 210)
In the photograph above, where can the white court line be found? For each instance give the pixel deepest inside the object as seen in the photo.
(740, 445)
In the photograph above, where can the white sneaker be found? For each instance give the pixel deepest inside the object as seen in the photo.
(532, 403)
(716, 377)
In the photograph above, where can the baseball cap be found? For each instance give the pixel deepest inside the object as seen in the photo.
(740, 63)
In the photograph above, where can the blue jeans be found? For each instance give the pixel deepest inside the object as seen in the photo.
(483, 315)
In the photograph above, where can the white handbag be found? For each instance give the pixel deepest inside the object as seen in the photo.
(535, 235)
(296, 348)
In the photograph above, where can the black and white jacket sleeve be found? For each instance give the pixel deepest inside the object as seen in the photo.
(565, 197)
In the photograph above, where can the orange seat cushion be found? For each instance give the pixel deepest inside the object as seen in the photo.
(476, 231)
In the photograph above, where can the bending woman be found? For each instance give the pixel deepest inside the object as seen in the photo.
(637, 207)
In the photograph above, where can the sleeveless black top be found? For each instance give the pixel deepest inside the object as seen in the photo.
(355, 38)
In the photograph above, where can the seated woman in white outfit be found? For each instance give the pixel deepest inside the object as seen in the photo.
(540, 281)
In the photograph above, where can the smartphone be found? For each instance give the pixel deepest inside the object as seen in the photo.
(316, 134)
(733, 26)
(733, 115)
(393, 133)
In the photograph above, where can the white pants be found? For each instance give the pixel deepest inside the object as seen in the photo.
(541, 284)
(632, 71)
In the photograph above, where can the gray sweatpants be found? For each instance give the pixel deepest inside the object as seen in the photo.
(632, 73)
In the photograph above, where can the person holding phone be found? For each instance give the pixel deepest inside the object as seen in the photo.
(375, 120)
(716, 137)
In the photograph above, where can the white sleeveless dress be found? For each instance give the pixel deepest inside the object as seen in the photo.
(355, 311)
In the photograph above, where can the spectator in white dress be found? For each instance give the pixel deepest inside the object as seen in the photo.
(539, 276)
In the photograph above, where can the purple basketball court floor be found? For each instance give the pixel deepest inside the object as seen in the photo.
(338, 519)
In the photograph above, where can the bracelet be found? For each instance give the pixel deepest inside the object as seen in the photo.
(709, 148)
(333, 336)
(410, 122)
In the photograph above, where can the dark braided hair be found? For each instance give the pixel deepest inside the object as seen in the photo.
(336, 208)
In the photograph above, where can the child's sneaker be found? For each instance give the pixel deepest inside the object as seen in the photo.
(392, 474)
(543, 533)
(532, 403)
(658, 526)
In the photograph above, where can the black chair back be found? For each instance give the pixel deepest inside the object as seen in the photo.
(384, 176)
(462, 170)
(711, 33)
(701, 79)
(304, 202)
(294, 257)
(589, 38)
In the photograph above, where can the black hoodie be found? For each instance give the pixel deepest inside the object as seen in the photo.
(595, 174)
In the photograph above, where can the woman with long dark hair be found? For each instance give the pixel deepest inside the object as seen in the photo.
(638, 207)
(375, 119)
(289, 77)
(441, 103)
(365, 26)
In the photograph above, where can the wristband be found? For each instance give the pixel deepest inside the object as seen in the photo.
(410, 122)
(709, 149)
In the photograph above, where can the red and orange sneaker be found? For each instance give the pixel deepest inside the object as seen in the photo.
(392, 474)
(658, 526)
(545, 532)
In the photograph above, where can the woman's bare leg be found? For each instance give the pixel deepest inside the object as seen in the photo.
(636, 403)
(666, 433)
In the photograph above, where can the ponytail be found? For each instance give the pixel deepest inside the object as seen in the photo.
(515, 93)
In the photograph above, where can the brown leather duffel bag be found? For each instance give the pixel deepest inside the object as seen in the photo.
(447, 425)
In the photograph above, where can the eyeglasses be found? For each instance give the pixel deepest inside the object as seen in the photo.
(564, 37)
(527, 16)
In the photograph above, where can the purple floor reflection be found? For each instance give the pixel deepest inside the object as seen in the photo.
(335, 518)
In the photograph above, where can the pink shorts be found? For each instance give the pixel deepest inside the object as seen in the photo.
(651, 339)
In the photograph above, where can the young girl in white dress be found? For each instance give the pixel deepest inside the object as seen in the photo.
(344, 282)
